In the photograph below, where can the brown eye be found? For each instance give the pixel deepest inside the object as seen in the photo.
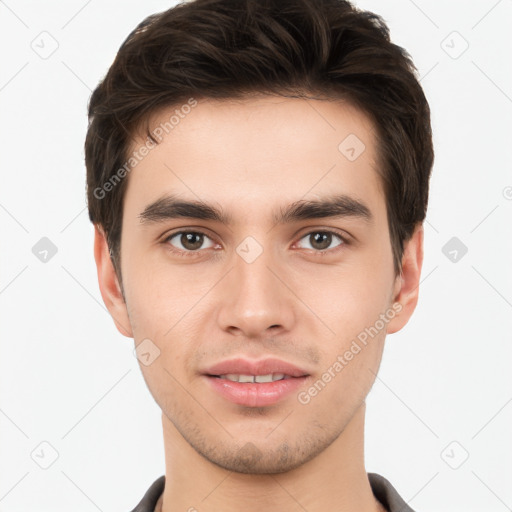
(322, 240)
(188, 241)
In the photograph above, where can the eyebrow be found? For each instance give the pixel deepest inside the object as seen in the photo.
(337, 206)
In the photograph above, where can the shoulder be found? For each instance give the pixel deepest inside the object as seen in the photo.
(150, 499)
(387, 494)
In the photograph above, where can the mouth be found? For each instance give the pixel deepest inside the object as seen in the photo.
(255, 384)
(255, 390)
(247, 370)
(269, 377)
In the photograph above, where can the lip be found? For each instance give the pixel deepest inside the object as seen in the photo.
(255, 394)
(261, 367)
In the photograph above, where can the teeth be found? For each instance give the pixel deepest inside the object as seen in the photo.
(271, 377)
(264, 378)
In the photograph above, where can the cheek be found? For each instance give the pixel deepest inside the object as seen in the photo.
(355, 306)
(159, 296)
(345, 381)
(347, 299)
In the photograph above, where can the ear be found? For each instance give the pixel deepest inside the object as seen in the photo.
(109, 284)
(408, 282)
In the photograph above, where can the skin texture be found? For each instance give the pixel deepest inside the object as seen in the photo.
(251, 157)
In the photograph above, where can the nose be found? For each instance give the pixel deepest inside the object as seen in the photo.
(255, 296)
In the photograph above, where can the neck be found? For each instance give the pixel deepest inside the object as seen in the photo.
(334, 480)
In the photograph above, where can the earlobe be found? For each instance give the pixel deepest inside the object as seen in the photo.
(407, 284)
(109, 284)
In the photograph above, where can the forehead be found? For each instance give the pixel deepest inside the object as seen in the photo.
(268, 150)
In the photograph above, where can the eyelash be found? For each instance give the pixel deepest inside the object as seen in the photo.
(196, 253)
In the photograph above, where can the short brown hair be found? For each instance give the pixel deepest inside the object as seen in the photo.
(232, 48)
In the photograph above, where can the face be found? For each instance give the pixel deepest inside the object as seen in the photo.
(292, 262)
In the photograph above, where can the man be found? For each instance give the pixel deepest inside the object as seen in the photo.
(257, 174)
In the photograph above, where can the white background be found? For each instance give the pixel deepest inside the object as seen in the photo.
(68, 378)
